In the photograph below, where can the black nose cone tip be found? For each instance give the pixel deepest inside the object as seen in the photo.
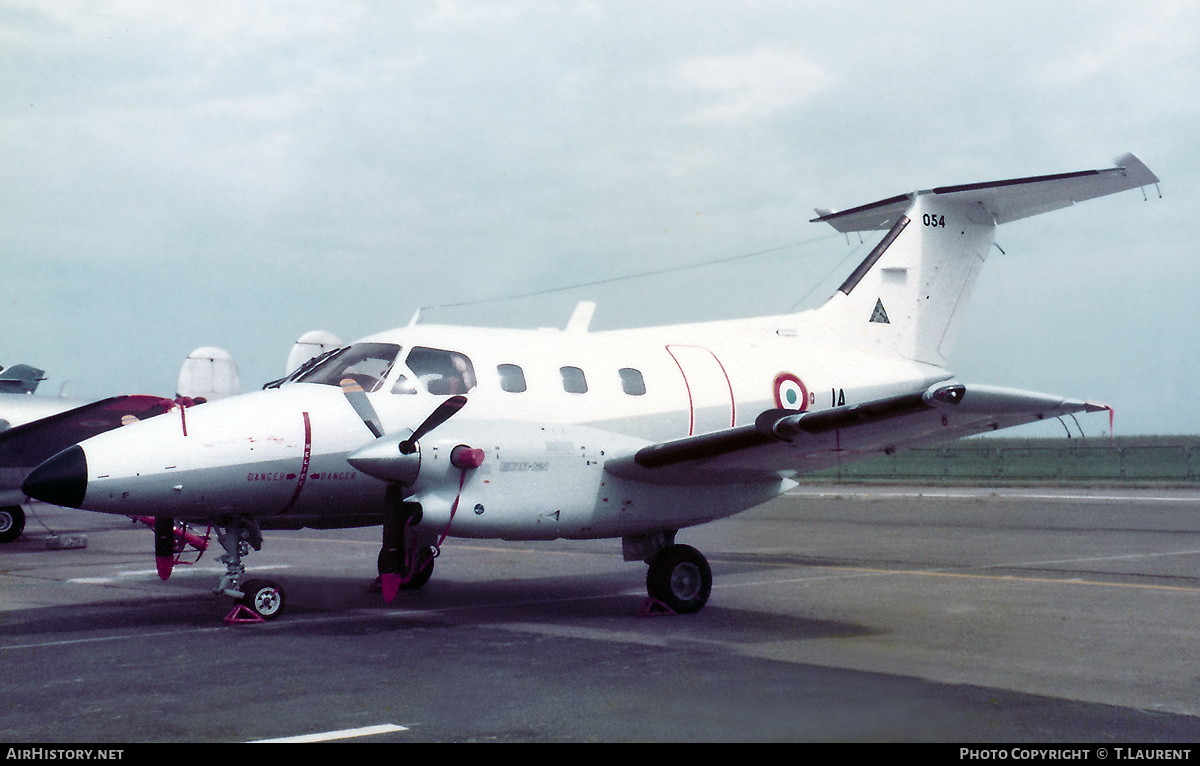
(60, 480)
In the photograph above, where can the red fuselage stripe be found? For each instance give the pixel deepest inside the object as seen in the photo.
(303, 464)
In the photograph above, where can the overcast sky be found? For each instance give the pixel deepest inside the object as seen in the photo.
(176, 175)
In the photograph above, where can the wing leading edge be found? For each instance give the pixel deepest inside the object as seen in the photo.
(787, 443)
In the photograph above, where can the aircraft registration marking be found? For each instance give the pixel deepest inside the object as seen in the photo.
(524, 466)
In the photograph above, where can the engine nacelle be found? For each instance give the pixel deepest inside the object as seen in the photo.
(509, 478)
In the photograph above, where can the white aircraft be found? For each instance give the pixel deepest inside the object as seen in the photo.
(436, 431)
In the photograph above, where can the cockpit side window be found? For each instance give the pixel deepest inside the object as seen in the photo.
(441, 372)
(367, 364)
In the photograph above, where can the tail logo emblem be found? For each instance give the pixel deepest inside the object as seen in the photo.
(879, 315)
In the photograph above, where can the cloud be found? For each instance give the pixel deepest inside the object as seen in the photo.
(1161, 38)
(754, 85)
(235, 173)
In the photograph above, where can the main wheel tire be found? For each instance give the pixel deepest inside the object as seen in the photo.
(679, 576)
(424, 569)
(12, 523)
(263, 597)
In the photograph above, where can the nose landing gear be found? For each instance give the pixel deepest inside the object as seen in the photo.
(257, 600)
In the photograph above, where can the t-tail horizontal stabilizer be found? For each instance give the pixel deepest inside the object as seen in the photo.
(907, 296)
(1005, 201)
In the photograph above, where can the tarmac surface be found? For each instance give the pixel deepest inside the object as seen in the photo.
(837, 614)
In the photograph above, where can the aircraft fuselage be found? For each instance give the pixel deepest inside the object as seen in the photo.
(546, 407)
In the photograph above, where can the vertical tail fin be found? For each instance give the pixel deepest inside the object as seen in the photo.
(907, 297)
(20, 379)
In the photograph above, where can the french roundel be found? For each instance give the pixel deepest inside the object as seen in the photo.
(790, 393)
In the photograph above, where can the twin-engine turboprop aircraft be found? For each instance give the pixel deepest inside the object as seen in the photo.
(436, 431)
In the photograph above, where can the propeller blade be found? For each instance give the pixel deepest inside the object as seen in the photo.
(362, 405)
(444, 412)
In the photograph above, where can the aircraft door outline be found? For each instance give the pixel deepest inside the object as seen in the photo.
(711, 404)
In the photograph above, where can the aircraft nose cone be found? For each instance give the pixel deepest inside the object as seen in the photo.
(60, 480)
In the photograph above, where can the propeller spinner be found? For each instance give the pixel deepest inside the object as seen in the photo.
(397, 457)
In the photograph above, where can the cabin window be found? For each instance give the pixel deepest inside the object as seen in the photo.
(442, 373)
(632, 382)
(512, 378)
(573, 379)
(367, 364)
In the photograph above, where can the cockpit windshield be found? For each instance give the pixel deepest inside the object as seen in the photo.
(367, 364)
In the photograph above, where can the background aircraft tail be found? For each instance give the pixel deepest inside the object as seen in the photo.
(20, 379)
(907, 296)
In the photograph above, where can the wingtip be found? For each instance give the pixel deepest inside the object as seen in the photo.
(1135, 169)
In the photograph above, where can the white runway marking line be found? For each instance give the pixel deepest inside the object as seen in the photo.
(365, 731)
(844, 573)
(132, 573)
(987, 494)
(1089, 559)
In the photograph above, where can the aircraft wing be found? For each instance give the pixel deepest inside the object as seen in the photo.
(785, 443)
(1005, 201)
(25, 446)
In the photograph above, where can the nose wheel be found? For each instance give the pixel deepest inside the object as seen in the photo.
(262, 597)
(257, 600)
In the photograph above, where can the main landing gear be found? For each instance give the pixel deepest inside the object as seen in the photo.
(679, 579)
(406, 557)
(12, 522)
(257, 600)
